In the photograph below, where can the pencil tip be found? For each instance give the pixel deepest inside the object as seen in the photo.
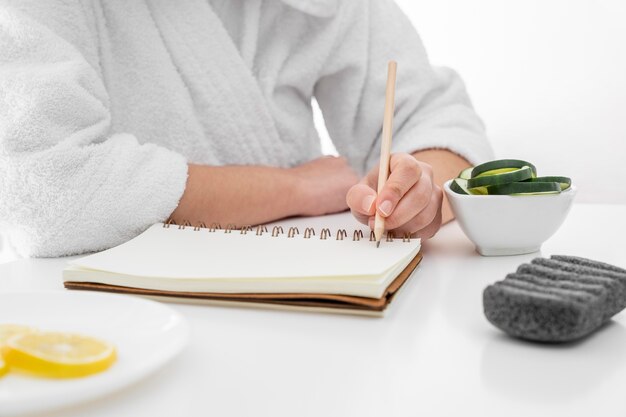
(378, 243)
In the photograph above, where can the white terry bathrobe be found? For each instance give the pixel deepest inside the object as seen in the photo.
(104, 102)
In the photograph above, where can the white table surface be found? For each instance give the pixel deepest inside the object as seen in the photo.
(434, 354)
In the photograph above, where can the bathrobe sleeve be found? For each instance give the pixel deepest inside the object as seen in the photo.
(68, 185)
(432, 107)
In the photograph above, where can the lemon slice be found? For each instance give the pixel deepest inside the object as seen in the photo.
(58, 355)
(9, 330)
(6, 332)
(3, 367)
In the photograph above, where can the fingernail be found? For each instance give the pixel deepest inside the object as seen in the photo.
(367, 203)
(386, 207)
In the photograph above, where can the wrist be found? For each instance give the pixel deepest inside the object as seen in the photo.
(299, 192)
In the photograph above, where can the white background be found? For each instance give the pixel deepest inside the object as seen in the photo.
(547, 77)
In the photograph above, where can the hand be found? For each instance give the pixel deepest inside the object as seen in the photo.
(322, 185)
(409, 202)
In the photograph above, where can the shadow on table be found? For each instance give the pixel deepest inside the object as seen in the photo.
(553, 372)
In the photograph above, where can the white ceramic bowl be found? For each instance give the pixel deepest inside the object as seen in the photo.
(510, 225)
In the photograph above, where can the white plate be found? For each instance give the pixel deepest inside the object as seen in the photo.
(146, 334)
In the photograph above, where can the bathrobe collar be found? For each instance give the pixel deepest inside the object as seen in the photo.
(223, 89)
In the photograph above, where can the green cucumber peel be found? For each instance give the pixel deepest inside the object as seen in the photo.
(459, 186)
(496, 172)
(525, 188)
(564, 182)
(499, 179)
(500, 164)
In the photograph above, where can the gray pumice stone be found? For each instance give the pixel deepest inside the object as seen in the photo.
(588, 262)
(559, 299)
(616, 299)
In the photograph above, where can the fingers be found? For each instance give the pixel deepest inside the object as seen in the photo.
(405, 173)
(360, 199)
(409, 201)
(422, 221)
(416, 203)
(432, 229)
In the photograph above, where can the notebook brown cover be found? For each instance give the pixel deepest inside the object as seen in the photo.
(335, 301)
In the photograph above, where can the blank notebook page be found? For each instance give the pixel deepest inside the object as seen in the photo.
(190, 254)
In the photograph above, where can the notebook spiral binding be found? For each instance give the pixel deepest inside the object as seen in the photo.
(276, 231)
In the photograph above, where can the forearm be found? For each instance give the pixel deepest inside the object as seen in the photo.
(258, 194)
(446, 165)
(237, 194)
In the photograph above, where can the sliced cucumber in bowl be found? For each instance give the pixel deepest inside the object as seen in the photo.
(513, 177)
(516, 175)
(525, 188)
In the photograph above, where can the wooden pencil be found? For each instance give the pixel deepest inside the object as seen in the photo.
(385, 147)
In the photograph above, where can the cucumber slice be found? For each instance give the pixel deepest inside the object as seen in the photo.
(498, 179)
(459, 186)
(496, 171)
(564, 182)
(500, 164)
(466, 174)
(525, 188)
(478, 191)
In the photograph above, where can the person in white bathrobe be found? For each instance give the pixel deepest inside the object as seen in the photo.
(116, 114)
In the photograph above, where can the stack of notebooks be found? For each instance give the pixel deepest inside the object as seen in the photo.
(323, 263)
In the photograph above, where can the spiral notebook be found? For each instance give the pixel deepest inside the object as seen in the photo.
(321, 263)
